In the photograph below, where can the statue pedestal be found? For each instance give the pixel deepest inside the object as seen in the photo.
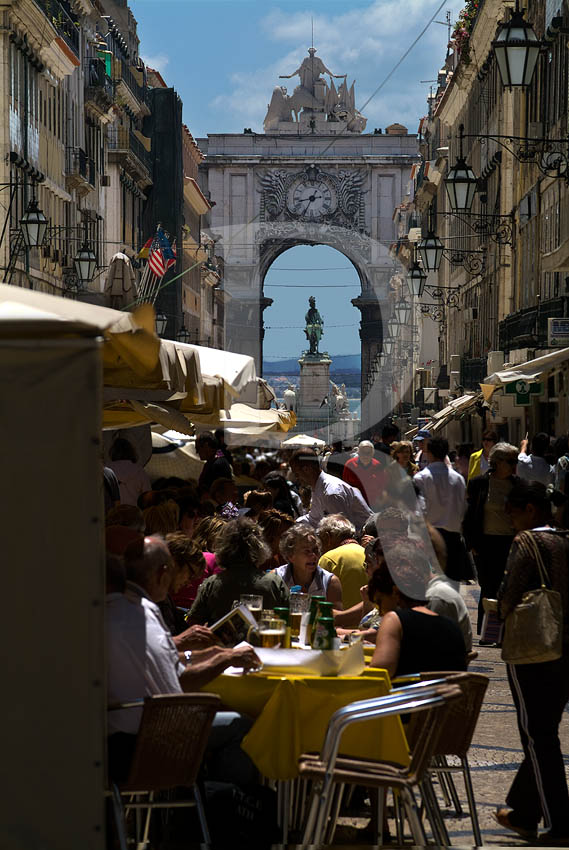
(314, 388)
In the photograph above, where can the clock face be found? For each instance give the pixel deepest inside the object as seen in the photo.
(311, 200)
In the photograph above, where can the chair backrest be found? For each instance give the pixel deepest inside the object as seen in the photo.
(171, 741)
(415, 699)
(430, 730)
(463, 714)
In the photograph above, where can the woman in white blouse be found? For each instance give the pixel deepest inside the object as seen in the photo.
(301, 548)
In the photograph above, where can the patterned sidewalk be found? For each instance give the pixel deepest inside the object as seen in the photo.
(494, 755)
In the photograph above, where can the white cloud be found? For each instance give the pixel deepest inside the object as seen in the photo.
(159, 62)
(365, 42)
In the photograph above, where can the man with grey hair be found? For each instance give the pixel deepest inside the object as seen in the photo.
(143, 661)
(343, 556)
(367, 474)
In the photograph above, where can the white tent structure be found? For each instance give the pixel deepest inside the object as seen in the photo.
(303, 441)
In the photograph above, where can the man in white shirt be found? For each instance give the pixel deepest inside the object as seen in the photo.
(534, 467)
(330, 495)
(143, 660)
(444, 491)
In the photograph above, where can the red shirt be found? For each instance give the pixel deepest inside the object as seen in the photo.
(370, 479)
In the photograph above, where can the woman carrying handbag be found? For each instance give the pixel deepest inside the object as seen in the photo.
(537, 573)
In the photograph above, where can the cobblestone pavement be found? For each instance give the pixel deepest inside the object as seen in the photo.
(494, 755)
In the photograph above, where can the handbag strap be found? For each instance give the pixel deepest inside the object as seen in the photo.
(533, 545)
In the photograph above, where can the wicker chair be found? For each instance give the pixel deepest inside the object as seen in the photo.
(461, 723)
(168, 754)
(328, 770)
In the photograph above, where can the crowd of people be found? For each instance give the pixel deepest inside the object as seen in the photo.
(386, 532)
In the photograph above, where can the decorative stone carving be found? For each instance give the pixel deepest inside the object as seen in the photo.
(273, 235)
(314, 195)
(315, 104)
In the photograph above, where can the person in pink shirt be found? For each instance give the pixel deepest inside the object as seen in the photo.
(367, 474)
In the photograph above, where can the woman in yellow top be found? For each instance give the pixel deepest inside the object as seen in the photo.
(478, 463)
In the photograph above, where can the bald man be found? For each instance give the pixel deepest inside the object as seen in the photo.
(143, 660)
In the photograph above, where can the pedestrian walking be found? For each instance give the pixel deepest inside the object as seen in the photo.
(488, 529)
(540, 691)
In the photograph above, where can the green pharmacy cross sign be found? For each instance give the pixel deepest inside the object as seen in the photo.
(523, 391)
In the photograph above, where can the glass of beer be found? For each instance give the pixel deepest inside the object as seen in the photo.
(272, 633)
(253, 603)
(299, 604)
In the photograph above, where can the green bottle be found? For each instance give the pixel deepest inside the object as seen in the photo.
(324, 634)
(314, 607)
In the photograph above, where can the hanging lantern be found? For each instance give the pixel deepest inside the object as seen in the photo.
(183, 334)
(33, 225)
(388, 347)
(85, 263)
(403, 312)
(431, 252)
(416, 279)
(461, 184)
(161, 323)
(393, 326)
(516, 48)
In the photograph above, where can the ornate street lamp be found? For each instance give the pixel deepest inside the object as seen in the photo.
(183, 334)
(393, 326)
(33, 225)
(461, 182)
(388, 347)
(85, 263)
(403, 312)
(431, 252)
(516, 47)
(416, 279)
(161, 323)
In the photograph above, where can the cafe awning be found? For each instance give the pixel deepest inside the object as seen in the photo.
(530, 371)
(453, 410)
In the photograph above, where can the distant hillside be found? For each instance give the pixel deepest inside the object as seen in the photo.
(342, 363)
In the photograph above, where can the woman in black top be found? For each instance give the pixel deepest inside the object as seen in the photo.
(411, 638)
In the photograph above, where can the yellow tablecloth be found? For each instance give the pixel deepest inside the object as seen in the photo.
(292, 717)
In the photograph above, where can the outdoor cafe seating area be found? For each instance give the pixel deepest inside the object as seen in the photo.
(315, 739)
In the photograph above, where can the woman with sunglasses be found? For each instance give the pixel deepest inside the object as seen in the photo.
(488, 529)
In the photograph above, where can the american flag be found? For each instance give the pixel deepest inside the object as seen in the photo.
(160, 256)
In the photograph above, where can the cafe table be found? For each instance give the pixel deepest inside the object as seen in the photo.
(291, 714)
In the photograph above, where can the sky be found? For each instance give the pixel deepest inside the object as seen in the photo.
(224, 58)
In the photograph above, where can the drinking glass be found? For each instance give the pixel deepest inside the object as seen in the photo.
(299, 604)
(272, 632)
(253, 603)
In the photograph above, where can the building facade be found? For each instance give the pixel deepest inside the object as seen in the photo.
(504, 274)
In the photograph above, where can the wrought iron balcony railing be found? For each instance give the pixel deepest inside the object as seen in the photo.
(60, 15)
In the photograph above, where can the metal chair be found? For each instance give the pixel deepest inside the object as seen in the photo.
(460, 726)
(328, 769)
(168, 754)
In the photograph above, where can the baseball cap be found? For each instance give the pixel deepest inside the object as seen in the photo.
(420, 435)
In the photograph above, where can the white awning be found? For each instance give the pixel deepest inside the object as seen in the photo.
(530, 371)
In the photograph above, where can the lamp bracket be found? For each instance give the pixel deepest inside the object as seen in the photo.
(487, 226)
(551, 156)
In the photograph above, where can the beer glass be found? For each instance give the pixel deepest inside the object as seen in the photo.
(299, 604)
(272, 633)
(253, 603)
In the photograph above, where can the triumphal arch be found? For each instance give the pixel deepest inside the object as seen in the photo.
(314, 177)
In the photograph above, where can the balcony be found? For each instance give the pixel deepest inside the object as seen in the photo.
(79, 170)
(59, 14)
(528, 328)
(99, 88)
(129, 88)
(126, 149)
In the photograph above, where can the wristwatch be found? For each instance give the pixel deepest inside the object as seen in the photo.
(188, 656)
